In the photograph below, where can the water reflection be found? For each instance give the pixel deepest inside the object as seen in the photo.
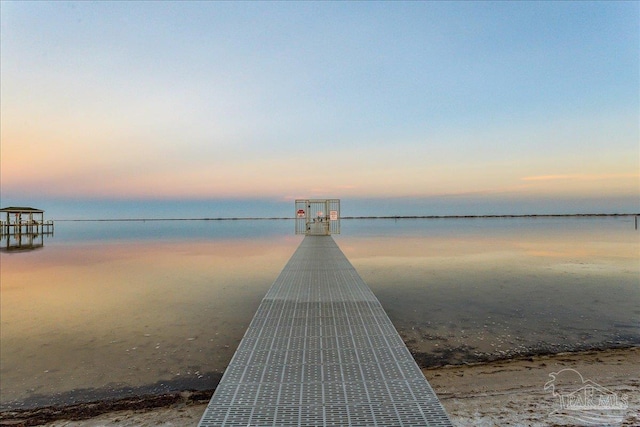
(117, 305)
(170, 230)
(460, 294)
(22, 242)
(124, 314)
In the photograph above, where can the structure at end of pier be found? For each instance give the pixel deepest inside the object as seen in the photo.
(317, 217)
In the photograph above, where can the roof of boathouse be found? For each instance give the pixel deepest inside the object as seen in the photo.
(21, 209)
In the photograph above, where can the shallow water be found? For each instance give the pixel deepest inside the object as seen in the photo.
(107, 309)
(474, 290)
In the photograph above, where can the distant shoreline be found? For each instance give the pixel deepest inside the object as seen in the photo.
(362, 217)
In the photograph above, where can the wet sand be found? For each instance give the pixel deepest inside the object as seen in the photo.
(504, 393)
(512, 392)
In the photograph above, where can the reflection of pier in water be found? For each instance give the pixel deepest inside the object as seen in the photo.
(23, 229)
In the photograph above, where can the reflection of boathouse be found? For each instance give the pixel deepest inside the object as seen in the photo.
(23, 228)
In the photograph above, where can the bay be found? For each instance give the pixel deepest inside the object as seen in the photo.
(114, 308)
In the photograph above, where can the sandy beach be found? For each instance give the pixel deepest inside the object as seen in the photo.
(512, 392)
(502, 393)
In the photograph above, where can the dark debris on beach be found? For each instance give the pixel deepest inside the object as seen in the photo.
(83, 411)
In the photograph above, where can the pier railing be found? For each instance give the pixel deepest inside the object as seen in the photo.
(10, 228)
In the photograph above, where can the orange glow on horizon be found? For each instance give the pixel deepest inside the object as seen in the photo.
(64, 165)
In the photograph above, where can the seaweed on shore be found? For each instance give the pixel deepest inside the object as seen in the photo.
(466, 355)
(83, 411)
(88, 403)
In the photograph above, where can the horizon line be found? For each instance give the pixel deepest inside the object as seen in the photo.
(361, 217)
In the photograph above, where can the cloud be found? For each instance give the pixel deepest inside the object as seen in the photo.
(580, 177)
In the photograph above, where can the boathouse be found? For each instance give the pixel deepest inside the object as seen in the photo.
(23, 220)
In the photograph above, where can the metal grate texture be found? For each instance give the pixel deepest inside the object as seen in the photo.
(321, 351)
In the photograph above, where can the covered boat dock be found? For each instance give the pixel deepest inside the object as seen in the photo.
(24, 220)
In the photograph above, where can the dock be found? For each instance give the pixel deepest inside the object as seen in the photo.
(23, 229)
(23, 220)
(321, 351)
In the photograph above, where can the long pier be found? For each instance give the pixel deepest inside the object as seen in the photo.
(321, 351)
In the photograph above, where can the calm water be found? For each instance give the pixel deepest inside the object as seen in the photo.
(108, 309)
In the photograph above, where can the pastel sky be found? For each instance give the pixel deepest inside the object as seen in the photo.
(391, 102)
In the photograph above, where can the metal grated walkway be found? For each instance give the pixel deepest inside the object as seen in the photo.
(321, 351)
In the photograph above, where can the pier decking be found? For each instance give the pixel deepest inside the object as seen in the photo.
(321, 351)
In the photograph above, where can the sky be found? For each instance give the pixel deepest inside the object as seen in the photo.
(191, 109)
